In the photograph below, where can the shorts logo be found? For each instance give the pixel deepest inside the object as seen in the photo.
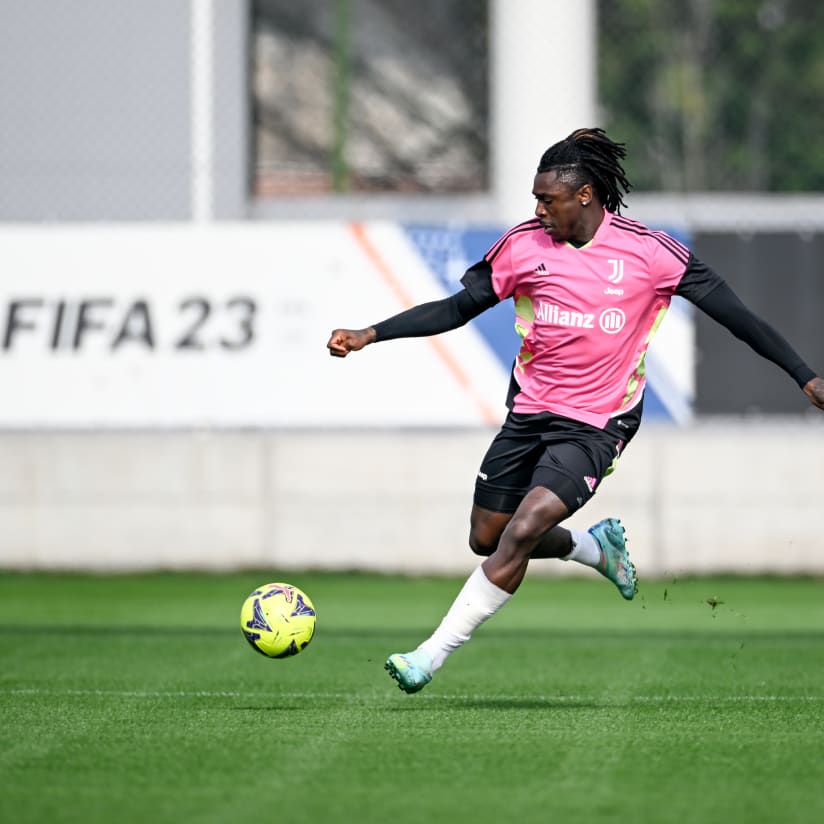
(612, 321)
(590, 482)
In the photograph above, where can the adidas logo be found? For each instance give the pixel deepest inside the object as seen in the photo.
(539, 269)
(590, 482)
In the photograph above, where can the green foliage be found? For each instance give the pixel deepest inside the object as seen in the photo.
(715, 94)
(134, 699)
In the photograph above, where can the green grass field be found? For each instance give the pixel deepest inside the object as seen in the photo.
(136, 699)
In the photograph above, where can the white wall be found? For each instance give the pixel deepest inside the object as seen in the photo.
(741, 498)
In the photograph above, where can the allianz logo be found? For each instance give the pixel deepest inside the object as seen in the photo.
(611, 320)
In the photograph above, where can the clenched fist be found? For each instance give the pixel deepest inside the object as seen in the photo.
(344, 341)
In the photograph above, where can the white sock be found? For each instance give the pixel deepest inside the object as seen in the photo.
(585, 549)
(478, 600)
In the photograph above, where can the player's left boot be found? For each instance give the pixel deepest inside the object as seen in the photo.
(412, 670)
(615, 563)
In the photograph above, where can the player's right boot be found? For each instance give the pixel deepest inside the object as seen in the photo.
(615, 563)
(412, 670)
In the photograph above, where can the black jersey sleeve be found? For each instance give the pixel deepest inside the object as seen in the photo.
(430, 318)
(713, 296)
(698, 280)
(477, 280)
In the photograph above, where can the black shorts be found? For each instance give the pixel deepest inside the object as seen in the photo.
(568, 457)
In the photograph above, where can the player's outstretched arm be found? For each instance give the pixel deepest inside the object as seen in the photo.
(814, 390)
(724, 306)
(344, 341)
(420, 321)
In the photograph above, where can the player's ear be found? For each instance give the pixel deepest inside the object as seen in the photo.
(584, 194)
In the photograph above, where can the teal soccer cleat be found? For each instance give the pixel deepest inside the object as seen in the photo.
(410, 669)
(615, 563)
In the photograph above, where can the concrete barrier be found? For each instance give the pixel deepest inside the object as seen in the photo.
(739, 497)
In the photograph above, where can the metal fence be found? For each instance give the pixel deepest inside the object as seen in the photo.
(110, 111)
(377, 95)
(716, 95)
(370, 96)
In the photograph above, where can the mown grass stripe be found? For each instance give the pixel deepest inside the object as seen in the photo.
(314, 696)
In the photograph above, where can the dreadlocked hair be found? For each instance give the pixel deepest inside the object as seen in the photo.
(589, 156)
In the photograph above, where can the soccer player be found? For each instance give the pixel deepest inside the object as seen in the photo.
(590, 288)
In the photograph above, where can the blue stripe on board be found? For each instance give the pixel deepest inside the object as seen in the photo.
(449, 253)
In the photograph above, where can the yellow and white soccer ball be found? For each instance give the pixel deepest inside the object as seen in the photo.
(278, 620)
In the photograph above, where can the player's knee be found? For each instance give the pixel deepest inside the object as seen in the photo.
(522, 535)
(481, 544)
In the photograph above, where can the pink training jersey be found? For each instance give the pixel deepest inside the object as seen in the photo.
(585, 315)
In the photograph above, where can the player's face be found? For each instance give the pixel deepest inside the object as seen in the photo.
(559, 207)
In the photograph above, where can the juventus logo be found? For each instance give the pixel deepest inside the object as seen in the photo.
(617, 270)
